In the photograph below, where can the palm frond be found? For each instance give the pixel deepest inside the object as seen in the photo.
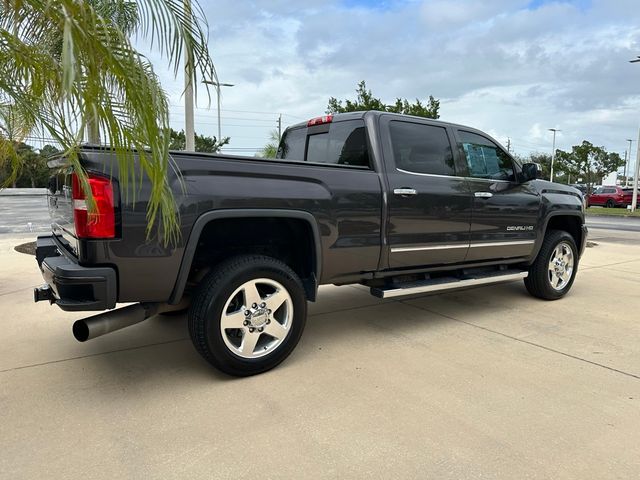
(70, 66)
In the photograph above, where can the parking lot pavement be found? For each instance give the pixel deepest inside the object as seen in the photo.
(482, 383)
(23, 212)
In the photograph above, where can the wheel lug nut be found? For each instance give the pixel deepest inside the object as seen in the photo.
(245, 323)
(255, 305)
(263, 304)
(260, 329)
(247, 313)
(268, 321)
(269, 312)
(251, 330)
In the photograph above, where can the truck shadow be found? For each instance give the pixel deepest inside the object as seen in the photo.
(163, 352)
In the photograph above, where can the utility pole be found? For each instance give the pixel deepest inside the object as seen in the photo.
(189, 132)
(553, 150)
(508, 145)
(634, 200)
(279, 127)
(627, 162)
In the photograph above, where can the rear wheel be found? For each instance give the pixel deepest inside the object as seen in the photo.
(552, 273)
(610, 204)
(248, 315)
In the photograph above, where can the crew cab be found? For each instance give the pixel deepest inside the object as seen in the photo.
(404, 205)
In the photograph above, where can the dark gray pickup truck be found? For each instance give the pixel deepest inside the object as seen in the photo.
(401, 204)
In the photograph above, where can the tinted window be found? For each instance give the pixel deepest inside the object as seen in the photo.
(421, 148)
(609, 190)
(344, 144)
(485, 159)
(292, 144)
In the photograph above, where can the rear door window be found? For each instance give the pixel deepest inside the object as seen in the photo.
(421, 148)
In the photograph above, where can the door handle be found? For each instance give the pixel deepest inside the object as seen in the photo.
(483, 194)
(404, 192)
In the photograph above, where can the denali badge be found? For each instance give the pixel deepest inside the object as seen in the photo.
(519, 228)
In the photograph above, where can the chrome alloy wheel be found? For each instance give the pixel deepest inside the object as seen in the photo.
(256, 318)
(561, 266)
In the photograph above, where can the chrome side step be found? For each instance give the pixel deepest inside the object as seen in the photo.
(446, 283)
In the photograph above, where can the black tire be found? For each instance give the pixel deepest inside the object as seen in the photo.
(610, 204)
(213, 293)
(538, 283)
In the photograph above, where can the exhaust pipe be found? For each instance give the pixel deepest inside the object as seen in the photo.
(107, 322)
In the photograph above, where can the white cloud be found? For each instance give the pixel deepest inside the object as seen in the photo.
(496, 65)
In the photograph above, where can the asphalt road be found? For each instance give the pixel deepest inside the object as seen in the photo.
(23, 213)
(624, 224)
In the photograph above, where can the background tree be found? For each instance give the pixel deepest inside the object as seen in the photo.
(542, 159)
(366, 101)
(589, 162)
(270, 149)
(202, 142)
(101, 81)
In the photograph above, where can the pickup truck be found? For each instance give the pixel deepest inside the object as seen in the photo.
(403, 205)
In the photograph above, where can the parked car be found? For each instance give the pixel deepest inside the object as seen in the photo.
(403, 205)
(581, 187)
(611, 196)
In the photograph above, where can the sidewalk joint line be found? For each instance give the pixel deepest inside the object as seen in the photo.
(533, 344)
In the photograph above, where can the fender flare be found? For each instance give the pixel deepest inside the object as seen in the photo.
(549, 216)
(207, 217)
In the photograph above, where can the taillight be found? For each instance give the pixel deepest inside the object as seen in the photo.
(99, 224)
(320, 120)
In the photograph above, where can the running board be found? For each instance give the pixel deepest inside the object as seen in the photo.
(446, 283)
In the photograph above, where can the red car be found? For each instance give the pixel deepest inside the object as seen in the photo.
(611, 197)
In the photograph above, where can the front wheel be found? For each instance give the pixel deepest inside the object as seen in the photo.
(248, 315)
(610, 204)
(552, 273)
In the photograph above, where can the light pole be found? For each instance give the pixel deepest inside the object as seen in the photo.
(218, 85)
(627, 161)
(553, 150)
(634, 200)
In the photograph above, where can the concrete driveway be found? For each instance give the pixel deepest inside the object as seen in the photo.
(483, 383)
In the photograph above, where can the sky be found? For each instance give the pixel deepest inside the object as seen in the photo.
(512, 68)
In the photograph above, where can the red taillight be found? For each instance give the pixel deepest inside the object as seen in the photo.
(102, 223)
(320, 120)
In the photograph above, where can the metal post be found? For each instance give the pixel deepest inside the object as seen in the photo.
(634, 200)
(219, 125)
(627, 163)
(279, 127)
(189, 133)
(553, 151)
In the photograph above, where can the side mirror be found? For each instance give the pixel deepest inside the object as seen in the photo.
(531, 171)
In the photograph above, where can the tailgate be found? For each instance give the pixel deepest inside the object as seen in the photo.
(60, 205)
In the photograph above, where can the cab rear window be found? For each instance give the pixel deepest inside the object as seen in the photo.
(344, 143)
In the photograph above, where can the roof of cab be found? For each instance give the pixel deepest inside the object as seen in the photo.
(338, 117)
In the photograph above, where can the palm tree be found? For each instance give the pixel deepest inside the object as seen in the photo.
(69, 69)
(270, 150)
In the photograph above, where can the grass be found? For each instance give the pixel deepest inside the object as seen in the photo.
(618, 212)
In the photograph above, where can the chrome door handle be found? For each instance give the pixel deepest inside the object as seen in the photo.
(483, 194)
(404, 191)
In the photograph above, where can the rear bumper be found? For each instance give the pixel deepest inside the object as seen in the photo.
(74, 287)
